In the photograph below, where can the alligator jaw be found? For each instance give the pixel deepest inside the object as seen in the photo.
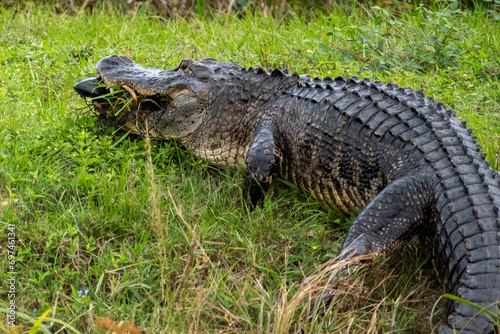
(90, 88)
(152, 102)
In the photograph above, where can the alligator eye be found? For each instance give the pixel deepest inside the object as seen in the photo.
(185, 64)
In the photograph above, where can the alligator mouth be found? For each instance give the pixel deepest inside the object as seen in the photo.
(121, 106)
(147, 101)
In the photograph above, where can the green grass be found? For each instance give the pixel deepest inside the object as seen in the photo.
(167, 241)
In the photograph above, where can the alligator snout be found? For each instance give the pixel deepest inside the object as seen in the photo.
(90, 88)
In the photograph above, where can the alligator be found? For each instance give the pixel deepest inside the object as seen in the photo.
(402, 159)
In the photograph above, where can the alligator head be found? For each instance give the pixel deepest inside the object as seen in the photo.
(150, 101)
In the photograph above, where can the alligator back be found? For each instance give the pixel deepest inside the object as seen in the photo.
(361, 136)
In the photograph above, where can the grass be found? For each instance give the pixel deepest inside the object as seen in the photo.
(116, 232)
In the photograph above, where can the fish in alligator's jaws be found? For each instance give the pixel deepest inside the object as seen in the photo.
(401, 158)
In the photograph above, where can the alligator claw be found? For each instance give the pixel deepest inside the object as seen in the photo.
(322, 302)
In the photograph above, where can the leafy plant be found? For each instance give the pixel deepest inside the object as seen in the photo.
(437, 42)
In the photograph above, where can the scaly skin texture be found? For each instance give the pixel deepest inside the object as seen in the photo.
(404, 160)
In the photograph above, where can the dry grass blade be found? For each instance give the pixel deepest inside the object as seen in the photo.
(189, 227)
(156, 220)
(121, 327)
(220, 309)
(353, 306)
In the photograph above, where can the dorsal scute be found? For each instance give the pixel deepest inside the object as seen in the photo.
(277, 74)
(260, 70)
(389, 86)
(339, 79)
(366, 82)
(440, 107)
(430, 101)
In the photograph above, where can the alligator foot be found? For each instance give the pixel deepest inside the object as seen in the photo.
(325, 295)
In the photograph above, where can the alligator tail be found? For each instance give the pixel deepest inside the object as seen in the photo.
(468, 235)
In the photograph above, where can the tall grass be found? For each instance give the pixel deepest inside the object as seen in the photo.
(185, 9)
(114, 232)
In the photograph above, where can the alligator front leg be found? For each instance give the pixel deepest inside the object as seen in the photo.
(388, 222)
(262, 163)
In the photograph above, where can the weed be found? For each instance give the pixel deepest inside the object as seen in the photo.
(436, 42)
